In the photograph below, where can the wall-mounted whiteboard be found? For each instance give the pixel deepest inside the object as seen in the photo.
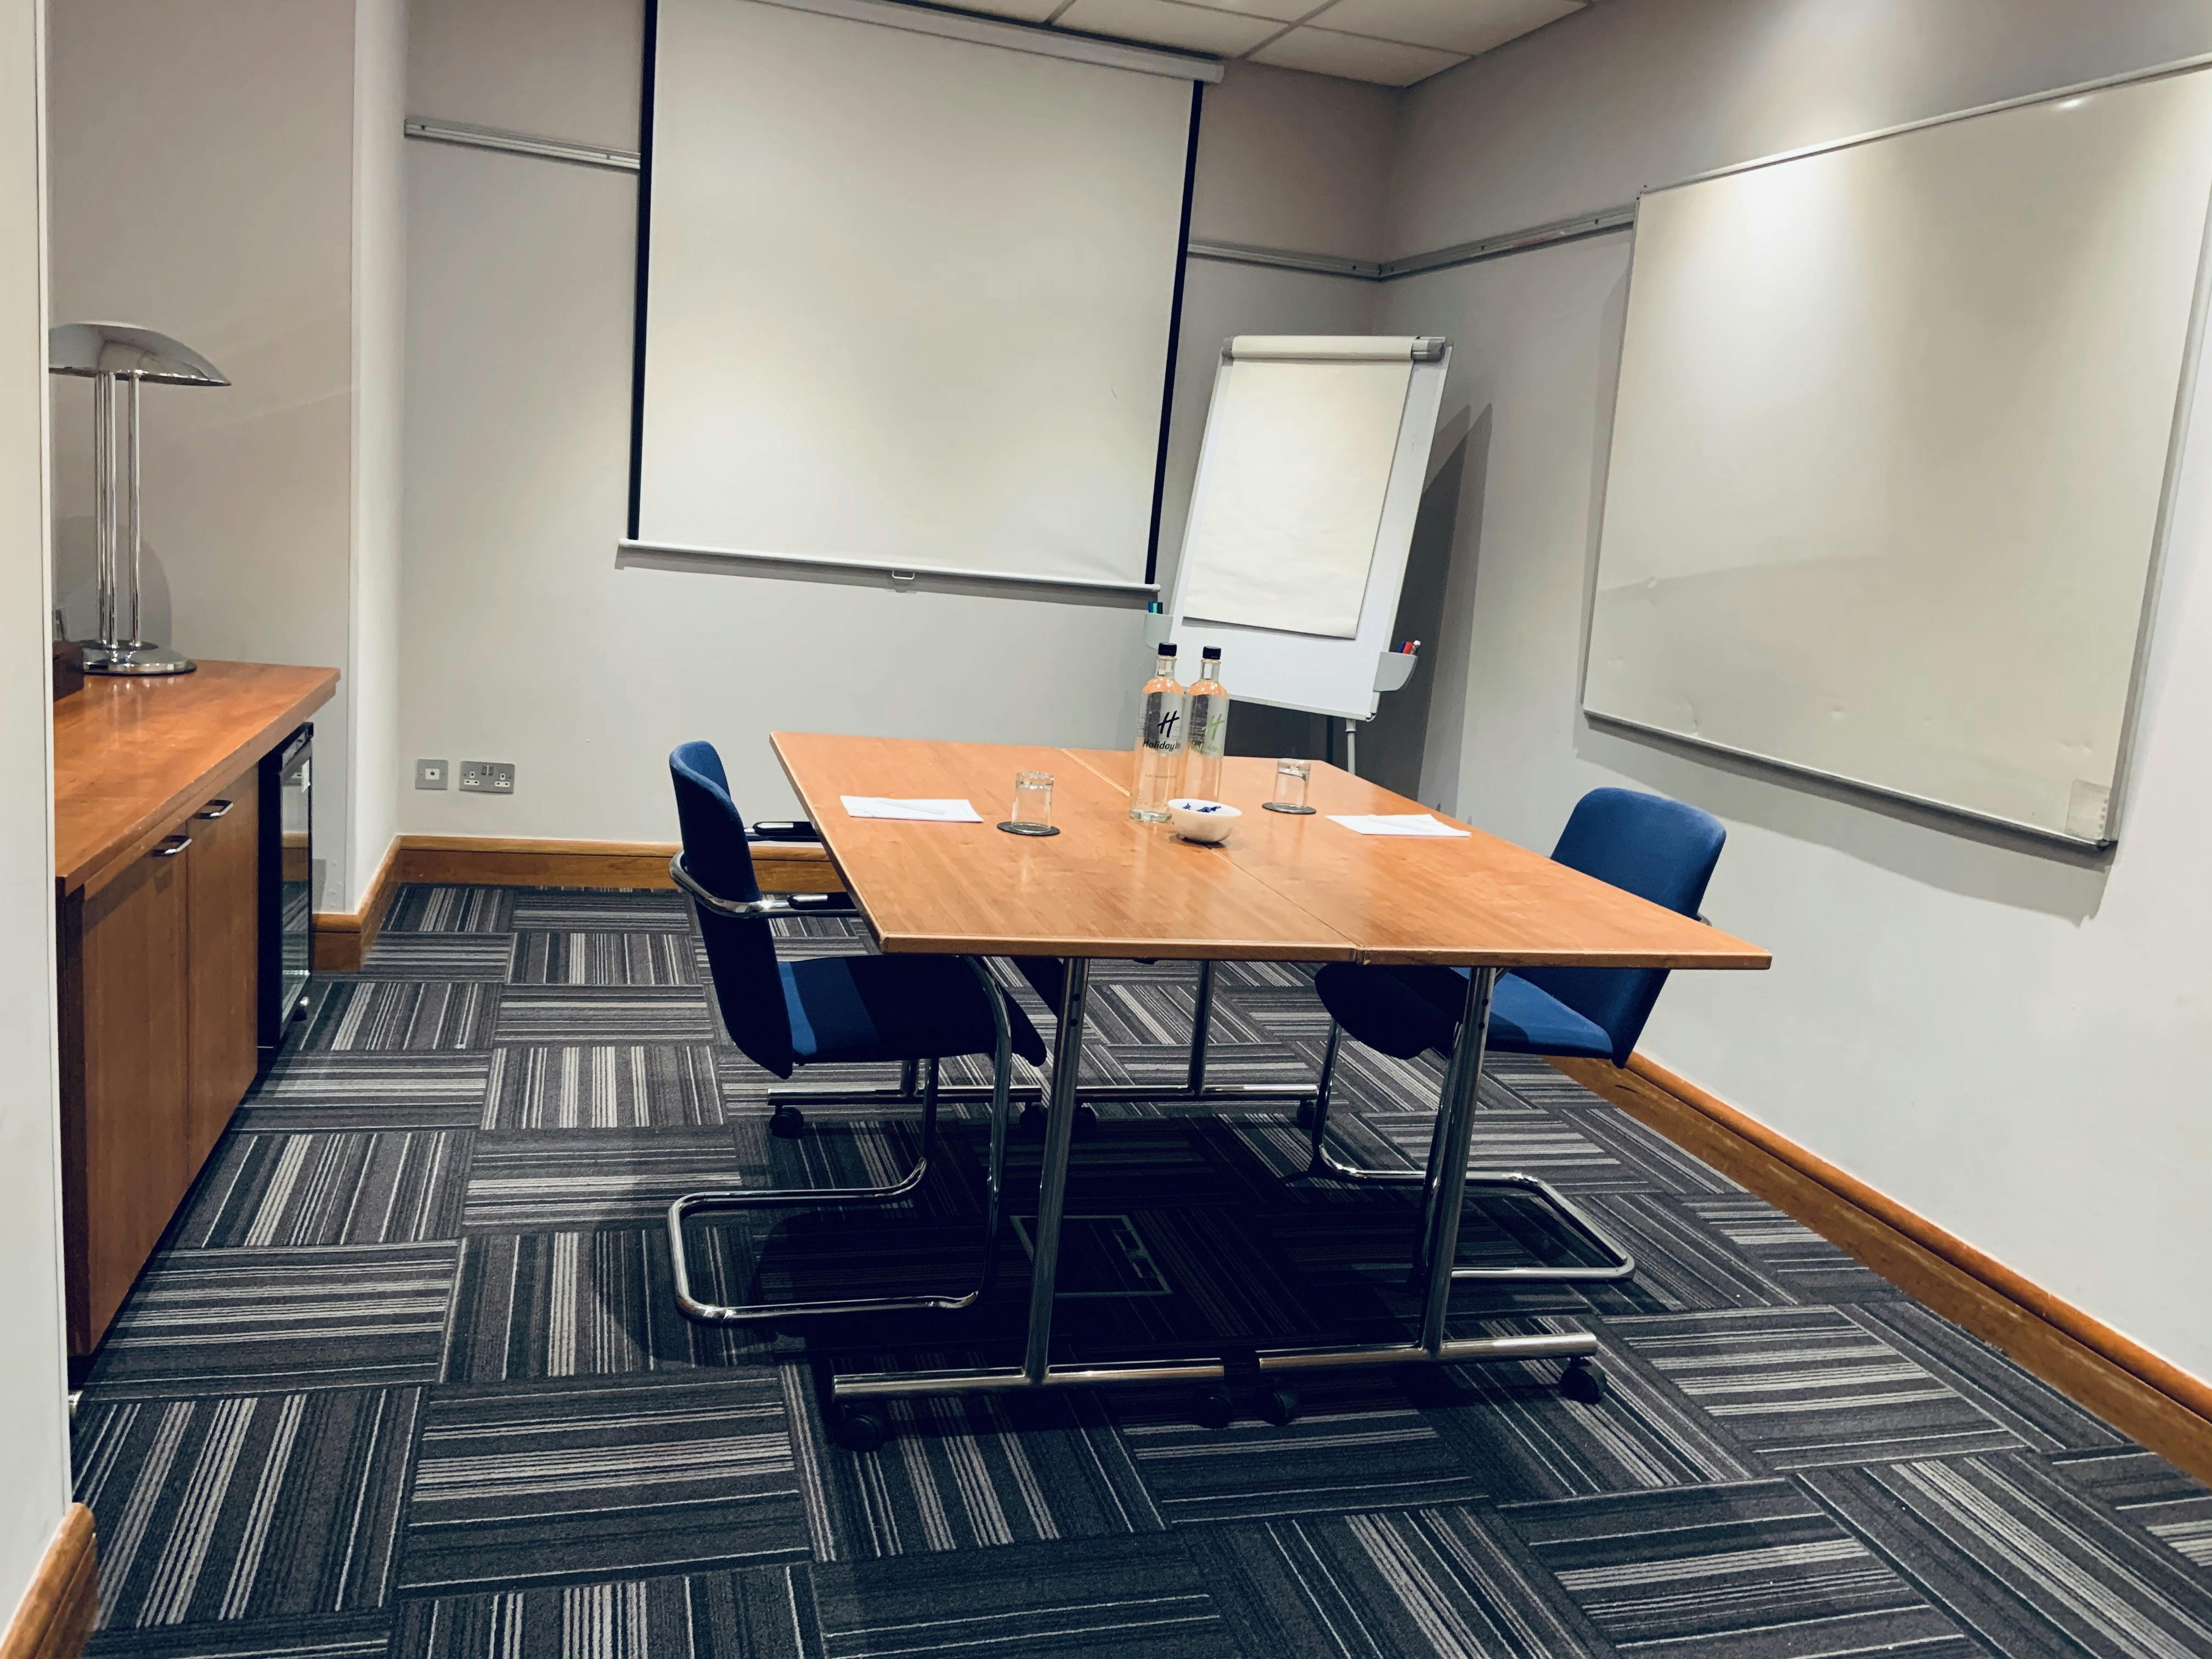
(1891, 451)
(1309, 479)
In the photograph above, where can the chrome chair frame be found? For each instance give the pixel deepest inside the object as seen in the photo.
(1326, 1165)
(699, 1203)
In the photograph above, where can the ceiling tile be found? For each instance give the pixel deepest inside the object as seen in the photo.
(1461, 26)
(1030, 11)
(1355, 56)
(1165, 23)
(1283, 11)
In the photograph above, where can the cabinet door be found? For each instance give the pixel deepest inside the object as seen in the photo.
(126, 976)
(224, 950)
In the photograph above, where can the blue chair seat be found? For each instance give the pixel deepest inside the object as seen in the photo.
(1408, 1010)
(866, 1008)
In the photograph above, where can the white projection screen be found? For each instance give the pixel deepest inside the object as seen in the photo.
(1891, 451)
(908, 298)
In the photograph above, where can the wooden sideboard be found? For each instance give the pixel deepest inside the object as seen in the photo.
(157, 853)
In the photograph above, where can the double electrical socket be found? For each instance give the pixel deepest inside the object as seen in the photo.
(477, 777)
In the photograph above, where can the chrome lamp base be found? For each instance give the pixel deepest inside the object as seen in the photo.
(137, 659)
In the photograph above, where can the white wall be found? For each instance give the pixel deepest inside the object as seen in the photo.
(2010, 1040)
(521, 642)
(380, 350)
(34, 1448)
(190, 196)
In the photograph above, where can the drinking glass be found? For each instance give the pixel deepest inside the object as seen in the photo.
(1032, 813)
(1290, 779)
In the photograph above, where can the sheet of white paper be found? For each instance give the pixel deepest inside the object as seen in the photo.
(926, 811)
(1392, 823)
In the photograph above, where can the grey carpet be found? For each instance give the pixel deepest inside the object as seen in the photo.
(406, 1377)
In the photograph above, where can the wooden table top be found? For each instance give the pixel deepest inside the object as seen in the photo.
(1107, 886)
(133, 758)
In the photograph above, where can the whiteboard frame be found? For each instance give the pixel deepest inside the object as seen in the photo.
(1309, 672)
(2161, 531)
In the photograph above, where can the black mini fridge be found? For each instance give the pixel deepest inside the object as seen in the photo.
(288, 892)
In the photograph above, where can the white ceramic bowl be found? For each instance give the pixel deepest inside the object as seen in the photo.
(1203, 820)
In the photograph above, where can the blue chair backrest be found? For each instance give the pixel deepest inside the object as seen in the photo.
(740, 954)
(1657, 850)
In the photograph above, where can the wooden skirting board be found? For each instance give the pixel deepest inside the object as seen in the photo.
(2132, 1388)
(56, 1614)
(342, 938)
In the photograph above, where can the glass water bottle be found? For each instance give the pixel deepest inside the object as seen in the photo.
(1209, 729)
(1159, 741)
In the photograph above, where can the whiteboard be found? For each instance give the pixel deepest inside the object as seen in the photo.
(907, 296)
(1302, 512)
(1891, 451)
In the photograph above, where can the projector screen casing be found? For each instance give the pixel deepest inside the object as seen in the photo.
(904, 301)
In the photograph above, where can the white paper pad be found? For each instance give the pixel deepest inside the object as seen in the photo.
(1392, 823)
(926, 811)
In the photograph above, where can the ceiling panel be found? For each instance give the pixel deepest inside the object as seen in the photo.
(1165, 23)
(1282, 11)
(1455, 26)
(1030, 11)
(1355, 56)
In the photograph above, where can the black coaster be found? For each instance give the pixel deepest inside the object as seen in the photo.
(1029, 829)
(1278, 806)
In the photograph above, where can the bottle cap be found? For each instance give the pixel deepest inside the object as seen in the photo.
(1167, 648)
(1212, 653)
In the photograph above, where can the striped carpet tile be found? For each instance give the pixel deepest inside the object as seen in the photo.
(543, 957)
(1113, 1598)
(360, 1015)
(2020, 1560)
(424, 909)
(1663, 1166)
(326, 1636)
(247, 1320)
(1531, 1142)
(587, 1478)
(964, 1472)
(597, 1014)
(1804, 1386)
(469, 955)
(246, 1507)
(1788, 1253)
(759, 1613)
(591, 910)
(1734, 1572)
(2044, 1419)
(1682, 1266)
(577, 1304)
(630, 1085)
(323, 1091)
(613, 1177)
(1434, 1580)
(2150, 1492)
(1358, 1444)
(389, 1187)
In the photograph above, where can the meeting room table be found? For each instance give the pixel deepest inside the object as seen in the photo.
(1282, 888)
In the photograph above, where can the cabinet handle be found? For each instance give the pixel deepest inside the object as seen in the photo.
(215, 809)
(171, 848)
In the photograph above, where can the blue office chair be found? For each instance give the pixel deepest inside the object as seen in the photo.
(829, 1010)
(1658, 850)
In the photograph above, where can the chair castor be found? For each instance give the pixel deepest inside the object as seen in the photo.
(786, 1123)
(1279, 1404)
(862, 1432)
(1214, 1409)
(1583, 1380)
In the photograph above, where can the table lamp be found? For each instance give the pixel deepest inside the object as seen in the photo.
(109, 354)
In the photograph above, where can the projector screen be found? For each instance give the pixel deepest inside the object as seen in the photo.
(907, 297)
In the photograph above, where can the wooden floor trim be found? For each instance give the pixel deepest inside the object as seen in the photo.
(55, 1617)
(342, 938)
(2134, 1389)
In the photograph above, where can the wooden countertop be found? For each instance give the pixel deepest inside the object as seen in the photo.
(133, 758)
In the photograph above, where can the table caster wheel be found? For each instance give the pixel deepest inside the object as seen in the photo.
(1305, 1114)
(862, 1432)
(786, 1123)
(1086, 1123)
(1214, 1409)
(1279, 1405)
(1030, 1126)
(1583, 1380)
